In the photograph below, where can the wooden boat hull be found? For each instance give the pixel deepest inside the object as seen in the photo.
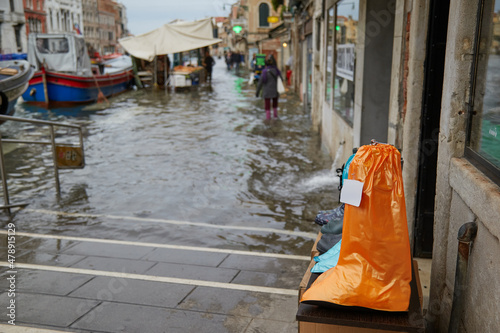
(72, 89)
(13, 86)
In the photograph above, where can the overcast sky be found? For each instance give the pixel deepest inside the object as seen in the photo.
(146, 15)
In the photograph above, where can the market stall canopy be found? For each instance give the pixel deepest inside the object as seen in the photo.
(171, 38)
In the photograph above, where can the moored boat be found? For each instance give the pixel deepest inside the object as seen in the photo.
(64, 74)
(14, 80)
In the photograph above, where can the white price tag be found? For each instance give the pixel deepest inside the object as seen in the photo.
(351, 192)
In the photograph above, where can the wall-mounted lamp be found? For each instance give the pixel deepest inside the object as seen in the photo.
(285, 44)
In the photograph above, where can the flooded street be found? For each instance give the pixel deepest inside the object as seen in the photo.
(191, 214)
(201, 156)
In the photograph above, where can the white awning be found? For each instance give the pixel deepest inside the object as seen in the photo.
(171, 38)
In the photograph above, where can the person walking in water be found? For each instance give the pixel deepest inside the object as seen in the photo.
(208, 63)
(268, 83)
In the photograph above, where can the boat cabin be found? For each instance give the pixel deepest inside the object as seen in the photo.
(64, 53)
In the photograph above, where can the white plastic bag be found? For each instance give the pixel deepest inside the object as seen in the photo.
(281, 87)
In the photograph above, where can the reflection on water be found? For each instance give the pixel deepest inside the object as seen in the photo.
(203, 156)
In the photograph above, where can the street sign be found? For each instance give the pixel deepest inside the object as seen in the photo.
(260, 60)
(68, 157)
(273, 19)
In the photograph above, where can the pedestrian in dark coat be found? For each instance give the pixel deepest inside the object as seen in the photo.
(208, 63)
(236, 59)
(268, 83)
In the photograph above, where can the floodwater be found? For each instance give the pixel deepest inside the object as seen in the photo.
(202, 156)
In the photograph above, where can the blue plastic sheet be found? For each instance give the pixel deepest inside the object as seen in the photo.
(327, 260)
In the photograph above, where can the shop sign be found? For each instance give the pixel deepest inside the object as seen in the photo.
(273, 19)
(345, 61)
(68, 157)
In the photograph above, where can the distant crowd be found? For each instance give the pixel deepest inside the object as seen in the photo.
(233, 59)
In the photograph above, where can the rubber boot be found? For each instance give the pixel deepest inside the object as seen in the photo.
(268, 114)
(275, 113)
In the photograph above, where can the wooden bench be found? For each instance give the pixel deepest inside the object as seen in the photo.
(316, 319)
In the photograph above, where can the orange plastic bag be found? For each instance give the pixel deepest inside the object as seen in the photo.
(374, 267)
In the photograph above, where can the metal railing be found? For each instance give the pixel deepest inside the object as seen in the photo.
(71, 152)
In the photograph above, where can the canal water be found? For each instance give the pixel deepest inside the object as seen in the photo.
(203, 156)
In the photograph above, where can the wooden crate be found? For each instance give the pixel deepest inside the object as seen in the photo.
(324, 320)
(305, 327)
(314, 250)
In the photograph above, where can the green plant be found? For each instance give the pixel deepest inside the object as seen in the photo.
(276, 3)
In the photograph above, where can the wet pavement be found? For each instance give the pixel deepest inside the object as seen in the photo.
(191, 215)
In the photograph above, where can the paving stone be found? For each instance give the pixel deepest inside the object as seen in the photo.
(45, 282)
(41, 258)
(48, 245)
(47, 309)
(242, 303)
(271, 326)
(109, 250)
(118, 317)
(193, 272)
(134, 291)
(267, 280)
(20, 240)
(186, 257)
(4, 255)
(265, 264)
(220, 301)
(114, 265)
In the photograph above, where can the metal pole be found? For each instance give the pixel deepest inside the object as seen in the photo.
(81, 144)
(4, 178)
(54, 156)
(155, 69)
(466, 236)
(165, 71)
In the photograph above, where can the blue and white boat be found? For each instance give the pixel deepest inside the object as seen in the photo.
(14, 80)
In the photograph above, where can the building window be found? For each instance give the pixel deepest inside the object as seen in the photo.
(263, 15)
(483, 134)
(318, 34)
(346, 24)
(329, 54)
(17, 30)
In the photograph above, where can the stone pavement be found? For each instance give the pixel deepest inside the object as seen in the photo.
(78, 284)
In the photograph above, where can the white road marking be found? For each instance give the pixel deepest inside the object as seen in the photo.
(164, 246)
(198, 283)
(24, 329)
(198, 224)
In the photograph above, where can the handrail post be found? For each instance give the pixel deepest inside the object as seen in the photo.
(4, 178)
(80, 134)
(54, 157)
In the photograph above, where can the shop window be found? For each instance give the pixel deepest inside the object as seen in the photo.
(263, 15)
(483, 133)
(346, 27)
(329, 54)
